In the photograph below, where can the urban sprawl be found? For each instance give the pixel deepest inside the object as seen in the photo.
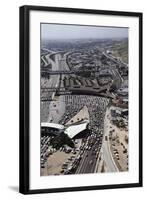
(84, 106)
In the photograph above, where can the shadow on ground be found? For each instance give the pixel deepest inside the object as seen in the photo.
(14, 188)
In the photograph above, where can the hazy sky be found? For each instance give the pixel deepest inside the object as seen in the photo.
(55, 31)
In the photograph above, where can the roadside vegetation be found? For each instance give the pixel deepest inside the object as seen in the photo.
(121, 50)
(61, 140)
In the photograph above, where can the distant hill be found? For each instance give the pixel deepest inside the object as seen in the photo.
(121, 50)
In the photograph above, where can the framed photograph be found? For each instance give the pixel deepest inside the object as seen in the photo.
(80, 99)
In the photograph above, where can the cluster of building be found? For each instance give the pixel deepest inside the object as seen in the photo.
(120, 117)
(87, 59)
(97, 79)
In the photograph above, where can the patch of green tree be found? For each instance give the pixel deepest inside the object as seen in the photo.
(121, 50)
(61, 140)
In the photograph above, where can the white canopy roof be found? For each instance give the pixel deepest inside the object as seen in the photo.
(52, 125)
(73, 130)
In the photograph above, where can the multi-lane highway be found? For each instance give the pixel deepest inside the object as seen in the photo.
(55, 81)
(88, 161)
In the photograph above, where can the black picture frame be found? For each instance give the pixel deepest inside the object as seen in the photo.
(25, 104)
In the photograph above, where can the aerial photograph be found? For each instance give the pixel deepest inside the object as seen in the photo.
(83, 99)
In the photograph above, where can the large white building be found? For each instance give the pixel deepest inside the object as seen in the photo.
(75, 129)
(72, 130)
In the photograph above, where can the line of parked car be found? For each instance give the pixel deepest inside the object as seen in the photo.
(46, 150)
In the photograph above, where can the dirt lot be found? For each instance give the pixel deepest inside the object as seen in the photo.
(118, 144)
(54, 163)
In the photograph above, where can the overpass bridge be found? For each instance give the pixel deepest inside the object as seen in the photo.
(67, 72)
(102, 91)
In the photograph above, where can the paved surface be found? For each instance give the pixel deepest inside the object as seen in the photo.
(85, 165)
(52, 82)
(107, 155)
(56, 112)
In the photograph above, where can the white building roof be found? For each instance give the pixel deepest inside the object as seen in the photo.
(52, 125)
(73, 130)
